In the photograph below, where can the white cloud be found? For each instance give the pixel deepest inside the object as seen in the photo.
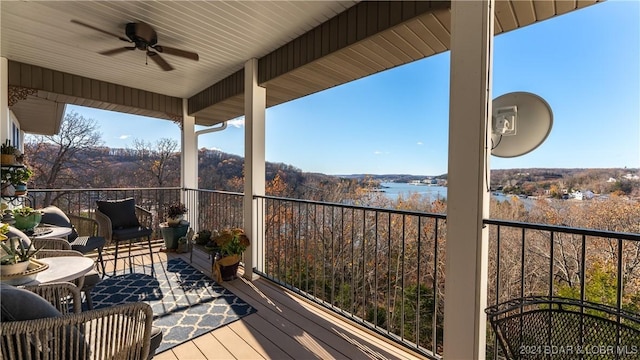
(420, 143)
(377, 152)
(237, 122)
(124, 137)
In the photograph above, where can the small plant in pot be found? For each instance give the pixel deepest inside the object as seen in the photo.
(175, 214)
(19, 179)
(8, 153)
(15, 256)
(26, 218)
(175, 226)
(231, 243)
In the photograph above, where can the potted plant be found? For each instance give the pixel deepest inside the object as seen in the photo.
(19, 178)
(202, 237)
(26, 218)
(15, 256)
(8, 153)
(175, 213)
(174, 227)
(231, 243)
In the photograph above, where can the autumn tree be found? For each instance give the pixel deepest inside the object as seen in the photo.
(58, 159)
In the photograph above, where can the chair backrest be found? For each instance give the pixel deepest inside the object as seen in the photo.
(118, 332)
(64, 296)
(85, 226)
(536, 327)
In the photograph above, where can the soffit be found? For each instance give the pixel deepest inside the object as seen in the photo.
(425, 35)
(224, 34)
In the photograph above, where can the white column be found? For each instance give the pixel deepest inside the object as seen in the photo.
(4, 100)
(468, 191)
(255, 101)
(189, 149)
(189, 161)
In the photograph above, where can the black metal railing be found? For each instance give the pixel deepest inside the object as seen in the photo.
(602, 267)
(83, 201)
(214, 210)
(381, 268)
(384, 268)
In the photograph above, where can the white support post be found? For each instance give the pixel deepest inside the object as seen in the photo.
(255, 102)
(189, 158)
(5, 122)
(468, 175)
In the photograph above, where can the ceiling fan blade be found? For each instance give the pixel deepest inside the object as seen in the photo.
(159, 60)
(176, 52)
(100, 30)
(117, 51)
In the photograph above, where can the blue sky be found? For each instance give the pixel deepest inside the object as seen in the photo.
(585, 64)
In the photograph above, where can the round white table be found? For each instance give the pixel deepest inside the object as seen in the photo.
(63, 268)
(51, 232)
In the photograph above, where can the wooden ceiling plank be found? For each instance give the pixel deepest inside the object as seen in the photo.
(544, 9)
(524, 12)
(410, 42)
(564, 6)
(504, 14)
(438, 30)
(423, 32)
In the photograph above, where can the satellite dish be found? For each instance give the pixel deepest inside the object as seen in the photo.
(521, 123)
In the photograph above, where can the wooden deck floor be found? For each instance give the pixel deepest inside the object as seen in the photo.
(284, 327)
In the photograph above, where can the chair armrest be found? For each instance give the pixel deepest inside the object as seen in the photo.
(59, 294)
(51, 244)
(87, 333)
(145, 217)
(105, 229)
(85, 226)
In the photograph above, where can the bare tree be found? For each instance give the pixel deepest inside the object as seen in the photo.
(158, 163)
(63, 159)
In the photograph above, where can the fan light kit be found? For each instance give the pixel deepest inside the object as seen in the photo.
(144, 38)
(528, 113)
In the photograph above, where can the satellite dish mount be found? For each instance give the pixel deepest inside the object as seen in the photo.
(521, 122)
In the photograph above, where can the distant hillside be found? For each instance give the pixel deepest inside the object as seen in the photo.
(104, 167)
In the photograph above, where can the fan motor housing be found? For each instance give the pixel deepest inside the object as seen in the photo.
(141, 34)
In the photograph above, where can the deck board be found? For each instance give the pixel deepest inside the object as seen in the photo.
(285, 326)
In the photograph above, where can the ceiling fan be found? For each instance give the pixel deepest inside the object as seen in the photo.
(143, 37)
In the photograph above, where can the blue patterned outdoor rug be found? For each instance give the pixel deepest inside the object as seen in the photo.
(186, 303)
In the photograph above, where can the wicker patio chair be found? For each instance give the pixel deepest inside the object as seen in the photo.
(84, 235)
(118, 332)
(546, 328)
(85, 283)
(51, 244)
(62, 295)
(121, 221)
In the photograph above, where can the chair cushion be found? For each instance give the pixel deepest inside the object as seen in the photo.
(130, 233)
(52, 215)
(121, 212)
(19, 304)
(85, 244)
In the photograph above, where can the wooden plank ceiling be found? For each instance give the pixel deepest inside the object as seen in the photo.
(302, 47)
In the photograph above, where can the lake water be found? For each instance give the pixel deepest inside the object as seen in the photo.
(393, 190)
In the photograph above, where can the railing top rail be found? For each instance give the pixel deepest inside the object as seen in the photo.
(216, 191)
(105, 189)
(364, 208)
(565, 229)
